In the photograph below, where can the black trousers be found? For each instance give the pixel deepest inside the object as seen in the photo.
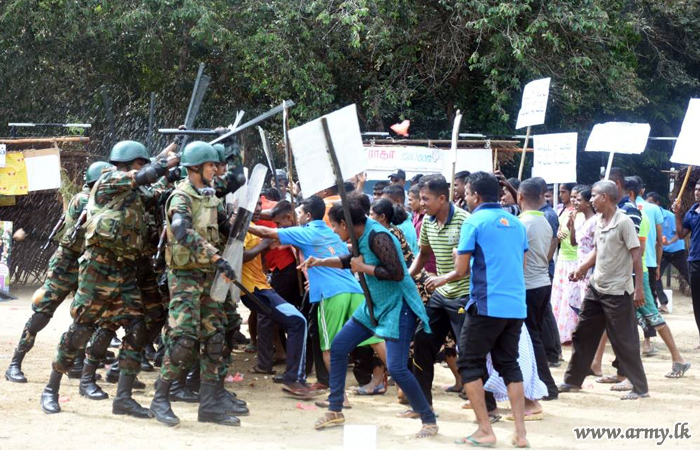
(537, 301)
(616, 315)
(444, 315)
(679, 260)
(550, 334)
(694, 271)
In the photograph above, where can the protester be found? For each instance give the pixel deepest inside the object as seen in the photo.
(491, 248)
(458, 187)
(414, 203)
(654, 245)
(378, 189)
(674, 252)
(398, 177)
(397, 306)
(446, 307)
(609, 300)
(396, 194)
(537, 283)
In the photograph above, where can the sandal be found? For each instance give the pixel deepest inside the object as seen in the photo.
(428, 430)
(408, 414)
(678, 370)
(529, 416)
(325, 404)
(250, 348)
(474, 443)
(379, 390)
(653, 351)
(258, 370)
(622, 386)
(329, 420)
(453, 389)
(634, 396)
(568, 388)
(609, 379)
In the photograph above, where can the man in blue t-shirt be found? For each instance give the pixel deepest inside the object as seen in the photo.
(689, 223)
(336, 292)
(654, 245)
(673, 251)
(491, 248)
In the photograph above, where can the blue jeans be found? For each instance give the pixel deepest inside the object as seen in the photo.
(353, 334)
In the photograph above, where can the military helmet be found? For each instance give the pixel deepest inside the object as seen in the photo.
(221, 150)
(127, 151)
(95, 170)
(197, 153)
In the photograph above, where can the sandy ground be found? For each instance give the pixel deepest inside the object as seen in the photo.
(277, 422)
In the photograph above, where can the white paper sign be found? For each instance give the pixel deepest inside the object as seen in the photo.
(359, 437)
(311, 152)
(43, 169)
(555, 157)
(3, 152)
(619, 137)
(534, 105)
(473, 160)
(686, 150)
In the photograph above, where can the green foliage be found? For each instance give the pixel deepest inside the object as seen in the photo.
(416, 59)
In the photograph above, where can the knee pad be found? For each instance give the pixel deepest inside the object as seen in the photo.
(136, 334)
(215, 346)
(182, 351)
(100, 343)
(37, 322)
(79, 335)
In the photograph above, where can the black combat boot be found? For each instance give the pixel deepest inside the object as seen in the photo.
(193, 379)
(88, 388)
(76, 370)
(123, 404)
(146, 366)
(49, 397)
(14, 372)
(180, 393)
(113, 377)
(210, 410)
(231, 395)
(160, 406)
(230, 405)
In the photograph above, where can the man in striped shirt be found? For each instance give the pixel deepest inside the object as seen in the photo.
(439, 236)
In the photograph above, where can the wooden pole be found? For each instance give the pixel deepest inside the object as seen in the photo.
(522, 156)
(495, 159)
(610, 161)
(348, 217)
(455, 138)
(683, 186)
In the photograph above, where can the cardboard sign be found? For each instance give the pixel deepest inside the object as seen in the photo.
(619, 137)
(473, 160)
(43, 169)
(13, 177)
(310, 151)
(686, 150)
(534, 105)
(555, 157)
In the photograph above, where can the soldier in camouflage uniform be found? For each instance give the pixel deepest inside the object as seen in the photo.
(194, 216)
(107, 286)
(62, 278)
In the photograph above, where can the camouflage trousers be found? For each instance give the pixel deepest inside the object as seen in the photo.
(195, 321)
(155, 306)
(108, 296)
(61, 280)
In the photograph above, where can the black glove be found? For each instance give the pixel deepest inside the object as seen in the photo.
(225, 268)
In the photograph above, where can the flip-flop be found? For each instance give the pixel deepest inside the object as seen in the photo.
(633, 396)
(608, 379)
(453, 389)
(651, 352)
(328, 422)
(325, 404)
(379, 390)
(622, 386)
(512, 442)
(678, 370)
(474, 443)
(258, 370)
(529, 417)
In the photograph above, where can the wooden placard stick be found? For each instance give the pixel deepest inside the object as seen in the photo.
(522, 156)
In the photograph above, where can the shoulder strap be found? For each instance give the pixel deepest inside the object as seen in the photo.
(111, 203)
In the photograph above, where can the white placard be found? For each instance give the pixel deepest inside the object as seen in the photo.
(43, 169)
(473, 160)
(362, 437)
(686, 150)
(3, 152)
(534, 105)
(619, 137)
(310, 151)
(555, 157)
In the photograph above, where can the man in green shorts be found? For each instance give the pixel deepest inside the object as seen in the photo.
(336, 291)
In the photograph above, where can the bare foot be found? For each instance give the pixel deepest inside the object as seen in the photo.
(519, 441)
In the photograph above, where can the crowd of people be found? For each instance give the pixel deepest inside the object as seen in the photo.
(483, 272)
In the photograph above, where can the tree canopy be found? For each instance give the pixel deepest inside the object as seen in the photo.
(418, 59)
